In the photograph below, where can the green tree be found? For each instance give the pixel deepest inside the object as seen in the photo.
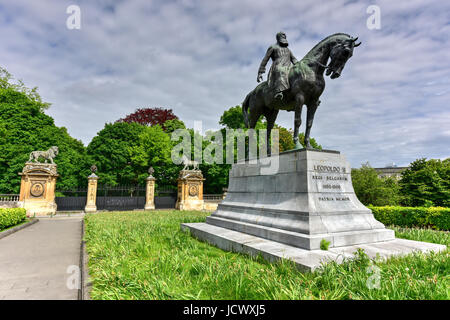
(111, 152)
(172, 125)
(233, 118)
(426, 183)
(7, 82)
(287, 140)
(371, 189)
(314, 144)
(24, 127)
(154, 149)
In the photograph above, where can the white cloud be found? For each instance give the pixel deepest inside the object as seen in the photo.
(201, 57)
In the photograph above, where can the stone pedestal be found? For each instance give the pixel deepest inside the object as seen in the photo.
(290, 206)
(190, 190)
(91, 201)
(150, 193)
(37, 188)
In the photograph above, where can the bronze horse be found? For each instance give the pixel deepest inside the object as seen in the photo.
(306, 85)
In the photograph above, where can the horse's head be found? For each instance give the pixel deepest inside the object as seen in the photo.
(340, 52)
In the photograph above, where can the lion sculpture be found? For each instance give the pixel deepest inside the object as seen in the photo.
(189, 163)
(50, 154)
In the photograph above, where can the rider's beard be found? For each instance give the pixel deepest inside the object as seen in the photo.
(283, 43)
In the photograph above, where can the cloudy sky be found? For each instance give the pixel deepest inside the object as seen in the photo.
(199, 58)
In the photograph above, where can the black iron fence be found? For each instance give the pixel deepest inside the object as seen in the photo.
(71, 200)
(165, 197)
(121, 198)
(126, 197)
(213, 197)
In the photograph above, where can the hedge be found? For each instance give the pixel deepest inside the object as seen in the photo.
(434, 217)
(11, 216)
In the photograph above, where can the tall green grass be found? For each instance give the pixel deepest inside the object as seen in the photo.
(145, 255)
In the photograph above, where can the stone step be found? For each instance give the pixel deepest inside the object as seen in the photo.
(305, 241)
(305, 260)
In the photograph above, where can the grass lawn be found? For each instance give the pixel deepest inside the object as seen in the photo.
(145, 255)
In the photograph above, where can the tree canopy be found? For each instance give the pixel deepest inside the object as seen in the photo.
(426, 183)
(150, 116)
(110, 150)
(373, 190)
(233, 118)
(154, 149)
(24, 127)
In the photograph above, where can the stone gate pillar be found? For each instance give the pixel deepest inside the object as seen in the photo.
(91, 201)
(190, 190)
(37, 188)
(150, 191)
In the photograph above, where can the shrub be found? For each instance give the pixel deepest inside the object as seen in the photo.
(324, 244)
(11, 216)
(434, 217)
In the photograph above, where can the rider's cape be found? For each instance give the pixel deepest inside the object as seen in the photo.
(283, 59)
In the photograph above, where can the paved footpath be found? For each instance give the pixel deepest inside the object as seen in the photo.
(34, 262)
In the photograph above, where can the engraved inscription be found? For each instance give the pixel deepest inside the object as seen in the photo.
(334, 198)
(331, 186)
(330, 169)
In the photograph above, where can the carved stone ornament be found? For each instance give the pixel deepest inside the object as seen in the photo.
(193, 190)
(37, 189)
(42, 168)
(191, 174)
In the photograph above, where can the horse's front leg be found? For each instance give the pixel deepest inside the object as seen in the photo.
(309, 121)
(299, 100)
(271, 116)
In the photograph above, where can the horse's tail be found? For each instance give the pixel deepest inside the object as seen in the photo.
(245, 106)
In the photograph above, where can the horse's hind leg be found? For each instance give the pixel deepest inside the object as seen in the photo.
(271, 116)
(309, 121)
(254, 117)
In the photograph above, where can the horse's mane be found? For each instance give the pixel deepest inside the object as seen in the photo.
(326, 39)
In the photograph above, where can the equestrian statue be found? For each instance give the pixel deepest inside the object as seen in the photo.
(291, 84)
